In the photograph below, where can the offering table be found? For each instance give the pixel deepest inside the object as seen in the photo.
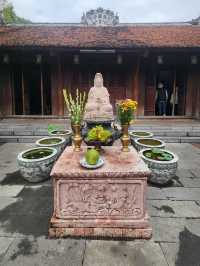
(109, 201)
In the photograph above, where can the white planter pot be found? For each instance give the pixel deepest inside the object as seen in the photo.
(58, 146)
(162, 171)
(140, 146)
(133, 134)
(36, 170)
(66, 134)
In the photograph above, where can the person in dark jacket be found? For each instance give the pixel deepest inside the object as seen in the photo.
(161, 98)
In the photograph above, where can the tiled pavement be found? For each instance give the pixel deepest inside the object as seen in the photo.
(25, 211)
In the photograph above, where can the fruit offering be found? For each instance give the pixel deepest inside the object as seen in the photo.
(92, 156)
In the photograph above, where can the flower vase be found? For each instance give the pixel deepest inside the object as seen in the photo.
(125, 139)
(77, 139)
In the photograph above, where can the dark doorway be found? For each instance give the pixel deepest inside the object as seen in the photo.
(166, 77)
(32, 89)
(32, 84)
(175, 83)
(17, 83)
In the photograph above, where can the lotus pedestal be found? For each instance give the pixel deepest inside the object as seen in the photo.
(106, 202)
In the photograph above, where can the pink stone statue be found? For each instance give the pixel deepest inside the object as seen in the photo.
(98, 106)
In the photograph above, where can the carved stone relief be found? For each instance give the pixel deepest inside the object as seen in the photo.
(86, 199)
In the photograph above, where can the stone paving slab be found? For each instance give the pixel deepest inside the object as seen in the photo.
(122, 253)
(39, 252)
(171, 251)
(191, 182)
(193, 226)
(10, 191)
(196, 172)
(5, 242)
(168, 208)
(155, 193)
(184, 173)
(24, 225)
(167, 229)
(185, 252)
(30, 206)
(6, 201)
(182, 193)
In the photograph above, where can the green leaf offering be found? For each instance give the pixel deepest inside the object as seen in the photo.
(52, 127)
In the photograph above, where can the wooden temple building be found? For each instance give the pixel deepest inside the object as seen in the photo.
(38, 60)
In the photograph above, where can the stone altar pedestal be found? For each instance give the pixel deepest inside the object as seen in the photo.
(109, 201)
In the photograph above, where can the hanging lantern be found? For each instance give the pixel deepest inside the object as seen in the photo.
(194, 60)
(76, 59)
(6, 58)
(119, 59)
(160, 59)
(38, 59)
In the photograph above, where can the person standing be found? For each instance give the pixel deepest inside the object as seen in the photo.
(161, 98)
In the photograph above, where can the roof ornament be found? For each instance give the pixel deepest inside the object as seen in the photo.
(195, 21)
(100, 17)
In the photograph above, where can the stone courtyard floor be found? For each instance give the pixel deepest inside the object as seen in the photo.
(25, 211)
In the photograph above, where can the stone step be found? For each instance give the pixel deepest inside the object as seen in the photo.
(24, 139)
(158, 131)
(32, 139)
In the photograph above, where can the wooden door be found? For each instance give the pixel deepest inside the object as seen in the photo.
(150, 100)
(150, 93)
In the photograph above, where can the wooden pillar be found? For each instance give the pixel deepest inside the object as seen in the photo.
(141, 91)
(42, 90)
(197, 111)
(136, 85)
(193, 85)
(57, 86)
(174, 94)
(5, 90)
(23, 93)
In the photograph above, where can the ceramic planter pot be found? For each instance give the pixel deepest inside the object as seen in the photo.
(66, 134)
(35, 164)
(144, 143)
(58, 143)
(162, 171)
(140, 134)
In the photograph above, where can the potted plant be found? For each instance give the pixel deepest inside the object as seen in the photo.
(143, 143)
(58, 131)
(125, 112)
(52, 142)
(35, 164)
(76, 109)
(162, 163)
(98, 136)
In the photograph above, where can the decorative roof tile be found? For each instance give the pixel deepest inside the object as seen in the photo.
(122, 36)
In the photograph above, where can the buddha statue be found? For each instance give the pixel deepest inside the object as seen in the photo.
(98, 105)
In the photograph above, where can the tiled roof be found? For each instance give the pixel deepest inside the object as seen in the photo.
(122, 36)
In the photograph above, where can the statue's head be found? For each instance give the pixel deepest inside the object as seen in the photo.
(98, 80)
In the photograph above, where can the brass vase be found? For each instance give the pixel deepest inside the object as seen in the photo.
(77, 139)
(125, 139)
